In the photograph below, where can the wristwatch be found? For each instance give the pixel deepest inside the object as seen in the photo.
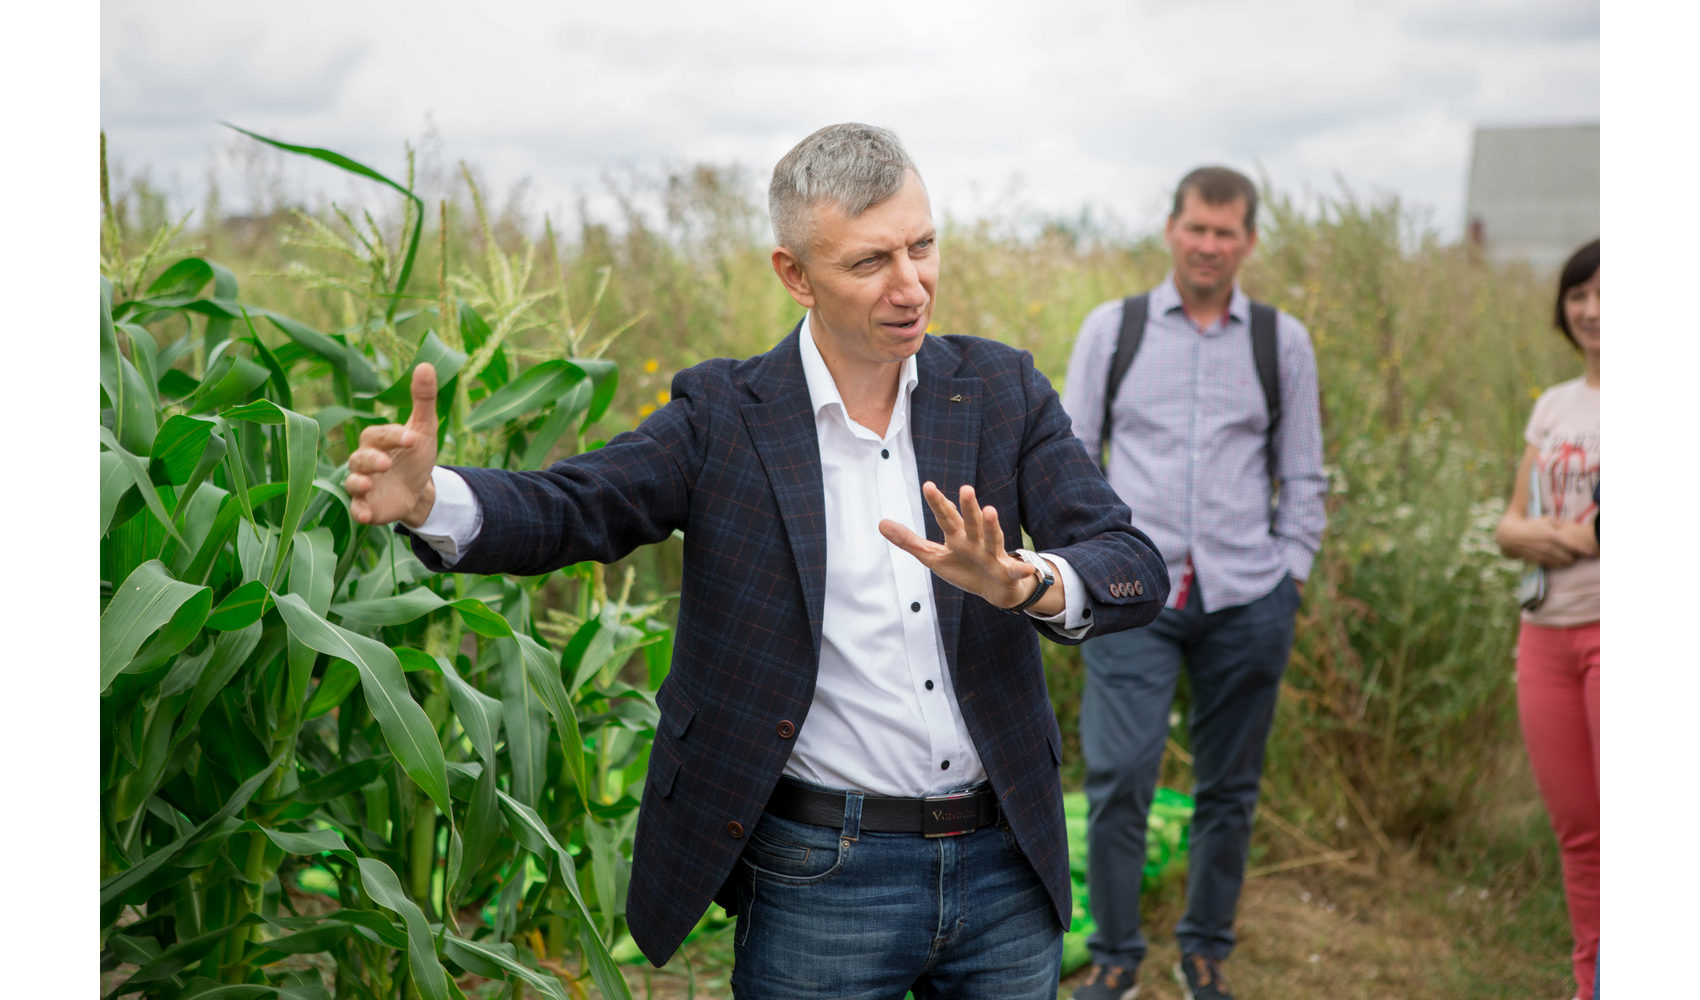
(1046, 578)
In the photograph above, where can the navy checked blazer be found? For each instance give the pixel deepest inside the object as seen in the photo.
(734, 463)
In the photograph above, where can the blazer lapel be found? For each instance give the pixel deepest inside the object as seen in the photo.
(944, 417)
(781, 423)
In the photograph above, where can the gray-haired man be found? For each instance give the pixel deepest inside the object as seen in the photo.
(856, 753)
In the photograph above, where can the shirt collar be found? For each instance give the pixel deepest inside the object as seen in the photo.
(1166, 297)
(823, 391)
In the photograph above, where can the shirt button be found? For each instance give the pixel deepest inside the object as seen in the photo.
(885, 452)
(787, 729)
(929, 685)
(735, 830)
(945, 766)
(914, 605)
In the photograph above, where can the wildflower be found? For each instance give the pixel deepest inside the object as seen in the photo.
(651, 366)
(645, 410)
(931, 326)
(663, 396)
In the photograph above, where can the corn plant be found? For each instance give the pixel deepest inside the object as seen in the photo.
(325, 770)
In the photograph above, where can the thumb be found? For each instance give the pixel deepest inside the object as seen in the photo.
(424, 416)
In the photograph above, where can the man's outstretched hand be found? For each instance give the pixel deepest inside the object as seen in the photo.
(972, 556)
(389, 475)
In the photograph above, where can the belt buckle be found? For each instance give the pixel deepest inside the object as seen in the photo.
(949, 815)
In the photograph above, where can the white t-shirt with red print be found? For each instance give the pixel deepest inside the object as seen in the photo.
(1565, 430)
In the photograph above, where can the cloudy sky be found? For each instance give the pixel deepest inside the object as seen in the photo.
(1006, 104)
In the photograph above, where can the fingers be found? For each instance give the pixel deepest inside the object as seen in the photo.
(905, 538)
(950, 521)
(389, 437)
(424, 416)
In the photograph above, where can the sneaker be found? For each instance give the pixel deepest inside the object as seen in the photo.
(1201, 978)
(1107, 982)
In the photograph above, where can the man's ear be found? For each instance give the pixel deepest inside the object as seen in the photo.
(793, 277)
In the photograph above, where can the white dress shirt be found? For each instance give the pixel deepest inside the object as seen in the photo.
(885, 718)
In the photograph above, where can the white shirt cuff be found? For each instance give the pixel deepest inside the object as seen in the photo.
(455, 519)
(1071, 622)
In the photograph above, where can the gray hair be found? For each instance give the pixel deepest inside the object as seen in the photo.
(853, 166)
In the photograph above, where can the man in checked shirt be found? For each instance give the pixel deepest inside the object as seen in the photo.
(1220, 458)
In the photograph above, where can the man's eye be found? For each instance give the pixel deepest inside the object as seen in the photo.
(922, 247)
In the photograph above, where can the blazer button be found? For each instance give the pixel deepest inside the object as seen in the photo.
(1138, 588)
(735, 830)
(787, 730)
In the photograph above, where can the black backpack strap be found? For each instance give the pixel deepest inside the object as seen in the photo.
(1263, 353)
(1134, 308)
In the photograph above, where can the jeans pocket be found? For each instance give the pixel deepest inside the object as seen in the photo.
(773, 854)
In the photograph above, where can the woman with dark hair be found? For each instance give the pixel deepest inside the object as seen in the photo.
(1549, 522)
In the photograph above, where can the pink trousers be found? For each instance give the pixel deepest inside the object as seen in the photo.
(1558, 703)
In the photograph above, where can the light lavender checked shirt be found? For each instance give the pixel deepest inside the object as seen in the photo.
(1187, 448)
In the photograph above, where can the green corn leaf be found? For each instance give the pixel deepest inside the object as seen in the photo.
(572, 403)
(306, 844)
(279, 376)
(354, 167)
(445, 359)
(479, 714)
(207, 989)
(149, 601)
(383, 611)
(179, 445)
(338, 681)
(301, 446)
(115, 481)
(381, 884)
(544, 673)
(591, 647)
(207, 538)
(497, 960)
(240, 608)
(417, 603)
(361, 377)
(605, 376)
(475, 331)
(526, 723)
(529, 829)
(230, 651)
(540, 386)
(134, 417)
(186, 277)
(139, 475)
(231, 380)
(214, 827)
(406, 728)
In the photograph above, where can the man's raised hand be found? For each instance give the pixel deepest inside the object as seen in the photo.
(389, 475)
(972, 556)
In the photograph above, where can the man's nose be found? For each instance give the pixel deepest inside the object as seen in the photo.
(906, 288)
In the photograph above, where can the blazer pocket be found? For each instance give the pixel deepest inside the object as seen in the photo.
(667, 754)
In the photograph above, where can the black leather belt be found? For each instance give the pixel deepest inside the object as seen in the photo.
(933, 816)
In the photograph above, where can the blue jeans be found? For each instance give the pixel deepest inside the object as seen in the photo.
(1234, 659)
(853, 915)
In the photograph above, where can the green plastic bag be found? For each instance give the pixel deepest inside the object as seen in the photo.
(1166, 837)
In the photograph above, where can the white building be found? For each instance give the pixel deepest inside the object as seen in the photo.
(1534, 193)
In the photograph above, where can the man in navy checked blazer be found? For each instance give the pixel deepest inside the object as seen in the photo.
(856, 754)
